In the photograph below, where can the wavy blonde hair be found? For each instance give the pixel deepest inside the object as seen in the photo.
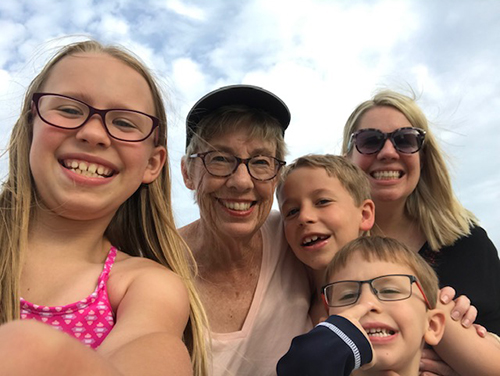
(432, 204)
(143, 225)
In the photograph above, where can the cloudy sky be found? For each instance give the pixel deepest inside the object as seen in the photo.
(322, 57)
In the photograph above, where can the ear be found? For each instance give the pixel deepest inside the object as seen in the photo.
(155, 164)
(367, 215)
(435, 329)
(188, 182)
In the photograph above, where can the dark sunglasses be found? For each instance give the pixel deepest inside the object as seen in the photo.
(406, 140)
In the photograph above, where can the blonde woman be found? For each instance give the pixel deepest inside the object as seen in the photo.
(389, 137)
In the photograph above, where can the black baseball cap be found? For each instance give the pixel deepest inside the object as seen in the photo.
(248, 95)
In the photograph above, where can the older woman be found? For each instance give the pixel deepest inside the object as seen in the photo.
(389, 138)
(255, 291)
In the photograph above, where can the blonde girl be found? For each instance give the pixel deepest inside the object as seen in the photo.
(88, 187)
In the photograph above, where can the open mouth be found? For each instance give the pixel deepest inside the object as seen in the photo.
(311, 240)
(91, 170)
(380, 332)
(238, 206)
(387, 175)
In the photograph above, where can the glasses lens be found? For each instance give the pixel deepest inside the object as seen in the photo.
(342, 293)
(407, 140)
(219, 163)
(263, 167)
(62, 112)
(128, 125)
(369, 141)
(392, 287)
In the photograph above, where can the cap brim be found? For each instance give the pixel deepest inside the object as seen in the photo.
(248, 95)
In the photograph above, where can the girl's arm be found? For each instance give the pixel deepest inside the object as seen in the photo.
(150, 321)
(465, 351)
(28, 347)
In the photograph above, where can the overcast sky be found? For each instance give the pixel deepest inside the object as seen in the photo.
(322, 57)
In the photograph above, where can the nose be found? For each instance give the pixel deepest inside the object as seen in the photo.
(240, 179)
(94, 132)
(367, 295)
(388, 151)
(307, 215)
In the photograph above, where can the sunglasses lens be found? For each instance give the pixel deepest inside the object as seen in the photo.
(369, 141)
(407, 140)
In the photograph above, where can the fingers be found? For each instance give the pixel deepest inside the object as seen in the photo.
(469, 316)
(462, 311)
(447, 294)
(432, 364)
(480, 330)
(357, 311)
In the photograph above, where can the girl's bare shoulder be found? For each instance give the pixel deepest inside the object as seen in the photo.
(137, 272)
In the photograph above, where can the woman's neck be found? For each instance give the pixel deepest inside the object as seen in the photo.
(214, 251)
(392, 221)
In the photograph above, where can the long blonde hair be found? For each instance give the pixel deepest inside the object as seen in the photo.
(433, 204)
(143, 225)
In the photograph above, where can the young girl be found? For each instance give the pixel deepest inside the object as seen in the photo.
(88, 188)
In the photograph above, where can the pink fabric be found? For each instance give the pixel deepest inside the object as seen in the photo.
(89, 320)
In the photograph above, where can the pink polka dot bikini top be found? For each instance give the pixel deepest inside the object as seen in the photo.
(89, 320)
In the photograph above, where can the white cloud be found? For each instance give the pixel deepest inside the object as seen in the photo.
(322, 57)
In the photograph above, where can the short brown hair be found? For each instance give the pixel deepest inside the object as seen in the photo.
(352, 178)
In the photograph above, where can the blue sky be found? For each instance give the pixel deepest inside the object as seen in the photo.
(322, 57)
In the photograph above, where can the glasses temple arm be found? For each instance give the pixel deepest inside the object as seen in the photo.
(423, 294)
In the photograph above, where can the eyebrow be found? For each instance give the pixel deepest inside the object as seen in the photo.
(257, 151)
(88, 100)
(315, 192)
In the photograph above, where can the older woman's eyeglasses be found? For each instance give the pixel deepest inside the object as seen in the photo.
(386, 288)
(407, 140)
(221, 164)
(65, 112)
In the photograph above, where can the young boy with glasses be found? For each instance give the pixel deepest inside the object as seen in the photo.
(379, 321)
(325, 203)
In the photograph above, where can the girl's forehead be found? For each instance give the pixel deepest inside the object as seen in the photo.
(102, 80)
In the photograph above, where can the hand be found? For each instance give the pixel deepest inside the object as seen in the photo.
(432, 365)
(462, 310)
(354, 314)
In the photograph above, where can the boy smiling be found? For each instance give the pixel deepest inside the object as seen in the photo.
(388, 294)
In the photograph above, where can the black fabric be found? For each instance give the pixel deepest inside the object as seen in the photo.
(472, 267)
(322, 353)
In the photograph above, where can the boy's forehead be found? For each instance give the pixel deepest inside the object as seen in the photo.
(358, 268)
(314, 182)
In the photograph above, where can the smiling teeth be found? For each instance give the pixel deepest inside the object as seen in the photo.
(91, 170)
(379, 332)
(237, 205)
(313, 238)
(386, 175)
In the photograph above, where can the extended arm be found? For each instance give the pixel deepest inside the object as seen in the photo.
(150, 321)
(465, 351)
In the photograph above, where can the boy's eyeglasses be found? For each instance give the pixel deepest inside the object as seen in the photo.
(406, 140)
(386, 288)
(221, 164)
(65, 112)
